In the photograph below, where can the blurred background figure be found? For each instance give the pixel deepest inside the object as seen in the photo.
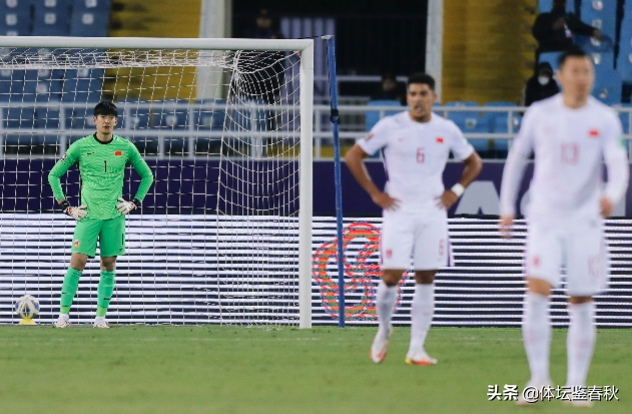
(540, 86)
(554, 30)
(390, 90)
(264, 27)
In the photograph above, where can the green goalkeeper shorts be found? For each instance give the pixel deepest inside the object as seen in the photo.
(109, 233)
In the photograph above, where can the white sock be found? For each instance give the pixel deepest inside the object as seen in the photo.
(421, 316)
(384, 303)
(536, 332)
(580, 341)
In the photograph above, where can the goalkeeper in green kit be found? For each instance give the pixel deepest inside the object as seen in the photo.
(102, 158)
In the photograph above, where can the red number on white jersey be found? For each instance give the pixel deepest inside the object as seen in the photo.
(421, 156)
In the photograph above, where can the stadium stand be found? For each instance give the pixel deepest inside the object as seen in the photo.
(15, 23)
(544, 6)
(608, 86)
(50, 18)
(469, 121)
(373, 116)
(90, 18)
(168, 117)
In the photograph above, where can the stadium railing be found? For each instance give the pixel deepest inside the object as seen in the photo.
(140, 121)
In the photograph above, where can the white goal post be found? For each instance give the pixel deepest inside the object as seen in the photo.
(301, 155)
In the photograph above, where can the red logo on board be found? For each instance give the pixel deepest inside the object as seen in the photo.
(118, 153)
(440, 140)
(593, 133)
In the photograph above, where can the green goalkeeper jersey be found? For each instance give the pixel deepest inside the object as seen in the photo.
(102, 169)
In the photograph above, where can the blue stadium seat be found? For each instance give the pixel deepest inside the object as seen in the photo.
(166, 117)
(600, 14)
(551, 57)
(132, 117)
(90, 18)
(91, 5)
(15, 24)
(498, 122)
(608, 87)
(210, 119)
(469, 121)
(15, 6)
(11, 85)
(49, 119)
(372, 117)
(82, 85)
(51, 18)
(22, 118)
(42, 86)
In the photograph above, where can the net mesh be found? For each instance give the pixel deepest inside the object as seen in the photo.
(216, 240)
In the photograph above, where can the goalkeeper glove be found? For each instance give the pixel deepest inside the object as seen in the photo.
(125, 207)
(75, 212)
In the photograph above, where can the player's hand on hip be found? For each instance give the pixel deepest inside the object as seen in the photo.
(447, 199)
(606, 207)
(505, 226)
(125, 207)
(76, 212)
(385, 201)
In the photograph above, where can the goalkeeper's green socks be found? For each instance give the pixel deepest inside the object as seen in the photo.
(104, 292)
(68, 289)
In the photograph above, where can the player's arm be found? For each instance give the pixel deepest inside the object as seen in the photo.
(54, 179)
(513, 172)
(462, 150)
(355, 162)
(146, 180)
(616, 160)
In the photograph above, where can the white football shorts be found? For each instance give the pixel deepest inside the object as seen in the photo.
(420, 240)
(580, 245)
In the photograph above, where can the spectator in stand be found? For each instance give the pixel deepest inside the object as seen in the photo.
(390, 90)
(554, 31)
(540, 86)
(264, 28)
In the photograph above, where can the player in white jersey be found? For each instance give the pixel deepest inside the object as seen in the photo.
(571, 135)
(415, 145)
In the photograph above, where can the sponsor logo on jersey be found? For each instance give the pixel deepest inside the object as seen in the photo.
(439, 140)
(593, 133)
(76, 244)
(89, 153)
(118, 153)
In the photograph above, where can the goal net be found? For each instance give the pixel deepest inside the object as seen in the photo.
(225, 125)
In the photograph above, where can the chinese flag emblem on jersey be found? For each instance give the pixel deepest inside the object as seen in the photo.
(118, 153)
(439, 140)
(593, 133)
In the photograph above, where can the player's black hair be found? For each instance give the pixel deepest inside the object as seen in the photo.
(422, 78)
(574, 51)
(105, 108)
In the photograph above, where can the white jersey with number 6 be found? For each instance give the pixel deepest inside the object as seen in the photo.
(415, 155)
(570, 146)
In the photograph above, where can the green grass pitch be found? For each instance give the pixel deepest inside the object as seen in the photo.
(214, 369)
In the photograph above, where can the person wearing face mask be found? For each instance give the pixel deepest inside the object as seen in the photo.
(540, 86)
(554, 31)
